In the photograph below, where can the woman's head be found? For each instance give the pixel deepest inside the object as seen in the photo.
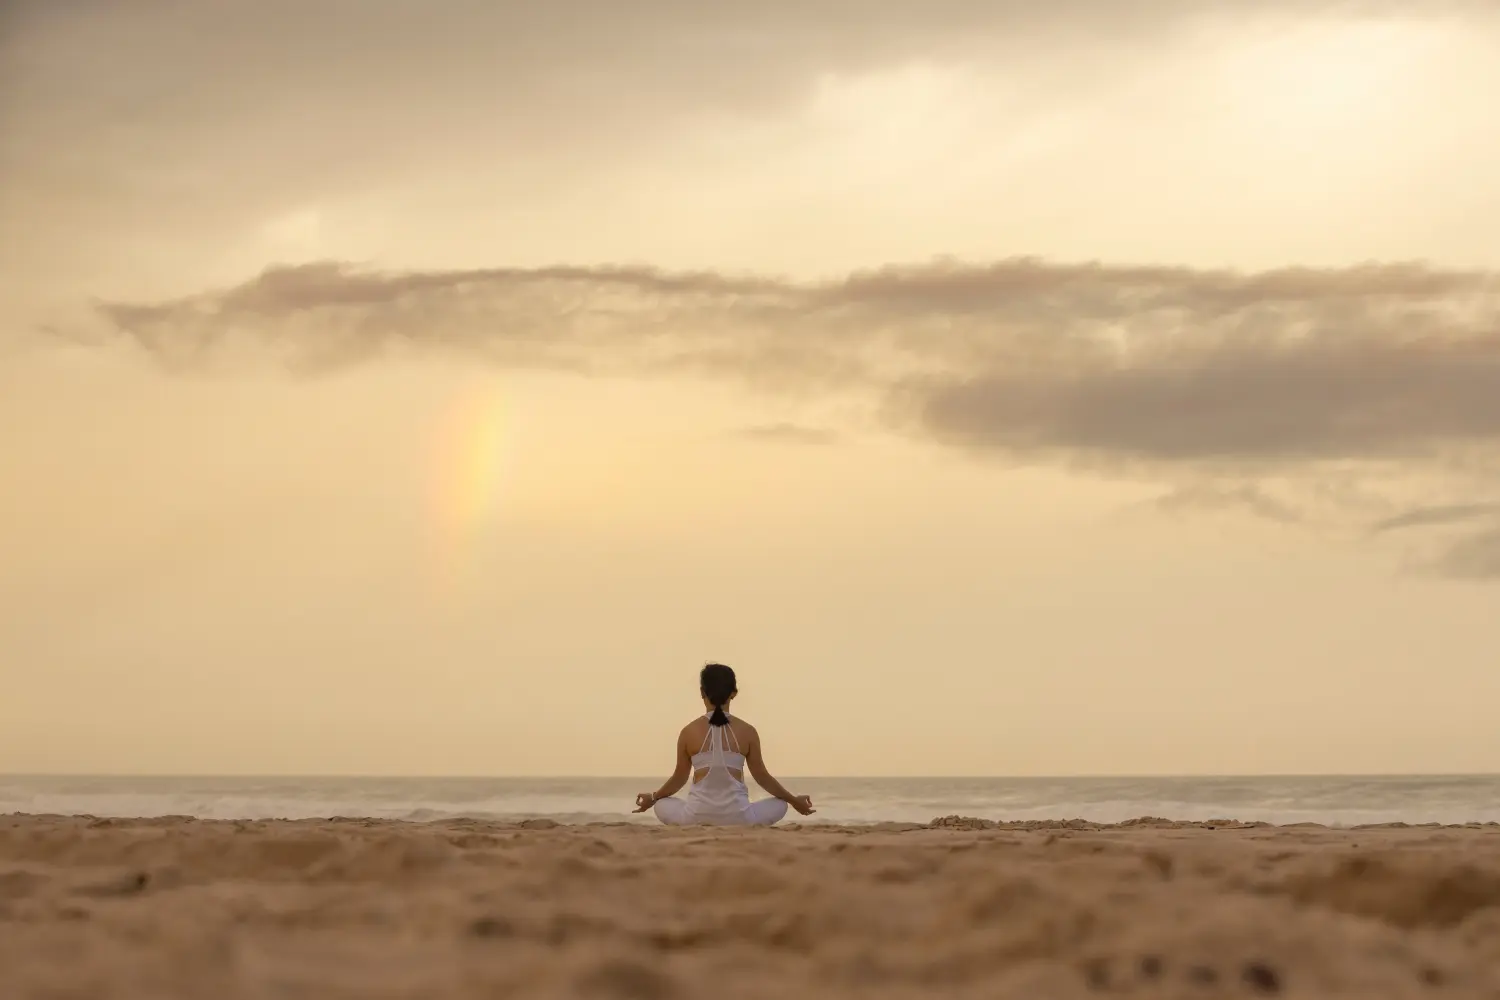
(717, 684)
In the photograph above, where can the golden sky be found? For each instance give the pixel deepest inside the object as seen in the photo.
(399, 387)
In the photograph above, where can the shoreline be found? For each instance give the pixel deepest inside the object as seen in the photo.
(1342, 802)
(951, 822)
(167, 907)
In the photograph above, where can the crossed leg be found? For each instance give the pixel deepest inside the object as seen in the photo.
(672, 811)
(766, 812)
(675, 812)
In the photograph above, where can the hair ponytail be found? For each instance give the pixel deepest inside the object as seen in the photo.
(718, 686)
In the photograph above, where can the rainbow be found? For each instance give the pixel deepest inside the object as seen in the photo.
(474, 458)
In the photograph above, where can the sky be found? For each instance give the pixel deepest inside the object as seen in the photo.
(433, 386)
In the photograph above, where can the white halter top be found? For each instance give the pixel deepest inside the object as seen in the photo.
(719, 788)
(714, 752)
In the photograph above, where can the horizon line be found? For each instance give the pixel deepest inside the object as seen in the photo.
(363, 776)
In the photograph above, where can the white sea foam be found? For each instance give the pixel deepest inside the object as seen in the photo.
(1341, 801)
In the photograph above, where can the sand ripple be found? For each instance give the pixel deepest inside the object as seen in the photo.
(960, 908)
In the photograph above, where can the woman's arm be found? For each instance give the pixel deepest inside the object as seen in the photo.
(679, 777)
(757, 765)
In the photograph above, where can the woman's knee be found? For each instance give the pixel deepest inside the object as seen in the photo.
(766, 812)
(670, 811)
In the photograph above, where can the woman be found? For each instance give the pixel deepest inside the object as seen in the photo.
(714, 751)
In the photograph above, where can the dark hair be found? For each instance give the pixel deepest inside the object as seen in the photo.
(717, 683)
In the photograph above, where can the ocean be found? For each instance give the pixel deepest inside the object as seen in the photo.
(1334, 801)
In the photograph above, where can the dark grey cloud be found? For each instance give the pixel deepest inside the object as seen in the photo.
(1147, 364)
(1272, 402)
(1180, 375)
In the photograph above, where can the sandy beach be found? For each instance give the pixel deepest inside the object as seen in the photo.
(361, 908)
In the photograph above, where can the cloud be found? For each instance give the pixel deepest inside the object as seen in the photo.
(1448, 514)
(1472, 555)
(356, 78)
(1146, 364)
(1289, 401)
(390, 68)
(1475, 557)
(1249, 497)
(784, 433)
(1316, 377)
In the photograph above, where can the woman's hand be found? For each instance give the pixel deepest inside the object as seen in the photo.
(645, 801)
(802, 803)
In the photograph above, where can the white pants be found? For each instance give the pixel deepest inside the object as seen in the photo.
(686, 812)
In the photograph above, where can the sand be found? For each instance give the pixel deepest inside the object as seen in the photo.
(364, 908)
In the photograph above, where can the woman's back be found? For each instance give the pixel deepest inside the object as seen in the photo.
(726, 746)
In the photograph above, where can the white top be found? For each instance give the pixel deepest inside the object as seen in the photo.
(714, 751)
(719, 790)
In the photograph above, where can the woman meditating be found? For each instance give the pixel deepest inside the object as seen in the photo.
(715, 750)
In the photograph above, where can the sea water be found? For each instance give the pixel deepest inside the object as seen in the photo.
(1339, 801)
